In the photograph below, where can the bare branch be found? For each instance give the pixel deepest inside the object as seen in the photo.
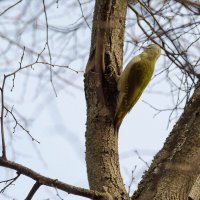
(10, 7)
(2, 119)
(47, 44)
(33, 191)
(3, 107)
(132, 179)
(172, 56)
(58, 195)
(83, 14)
(43, 180)
(11, 181)
(189, 3)
(140, 158)
(18, 124)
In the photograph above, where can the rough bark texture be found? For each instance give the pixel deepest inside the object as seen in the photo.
(175, 171)
(104, 64)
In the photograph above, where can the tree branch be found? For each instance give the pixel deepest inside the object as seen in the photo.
(10, 7)
(43, 180)
(33, 191)
(2, 121)
(190, 3)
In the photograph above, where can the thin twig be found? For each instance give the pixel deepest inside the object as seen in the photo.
(10, 7)
(140, 158)
(132, 179)
(2, 119)
(18, 124)
(49, 51)
(11, 182)
(83, 14)
(58, 195)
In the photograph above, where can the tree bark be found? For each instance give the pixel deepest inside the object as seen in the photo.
(103, 66)
(175, 171)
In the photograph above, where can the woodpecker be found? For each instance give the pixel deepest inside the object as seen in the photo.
(134, 80)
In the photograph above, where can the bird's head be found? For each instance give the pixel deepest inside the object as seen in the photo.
(153, 50)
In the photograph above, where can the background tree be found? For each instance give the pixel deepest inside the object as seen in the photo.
(34, 37)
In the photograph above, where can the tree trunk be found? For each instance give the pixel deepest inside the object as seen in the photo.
(175, 171)
(103, 66)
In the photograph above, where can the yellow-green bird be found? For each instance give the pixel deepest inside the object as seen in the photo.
(134, 80)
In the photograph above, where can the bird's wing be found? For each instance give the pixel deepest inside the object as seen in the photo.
(126, 85)
(127, 74)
